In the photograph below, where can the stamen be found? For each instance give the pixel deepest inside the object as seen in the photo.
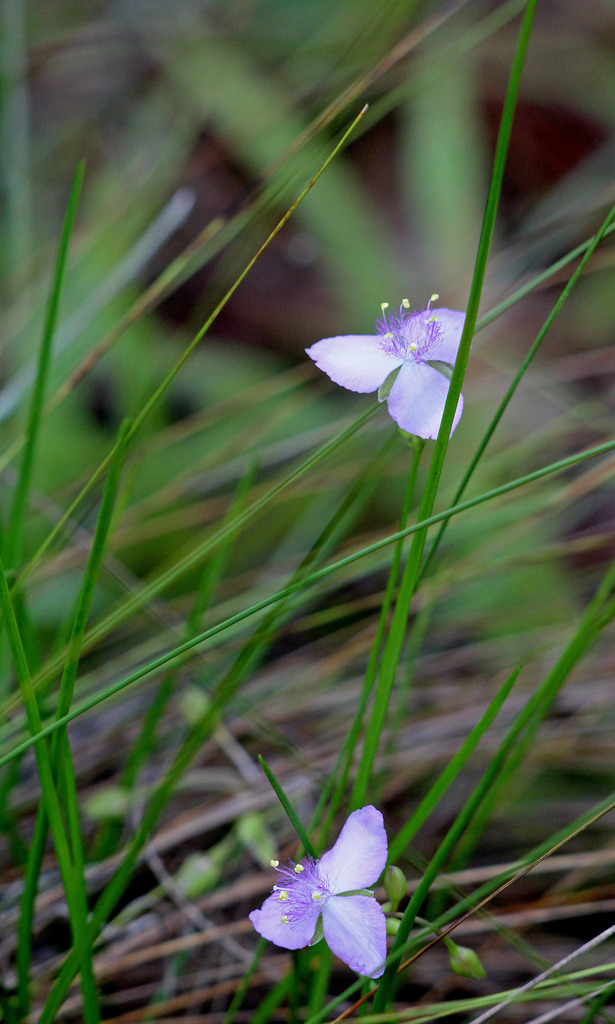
(283, 919)
(275, 888)
(405, 303)
(299, 868)
(432, 299)
(316, 895)
(282, 895)
(274, 863)
(383, 306)
(413, 346)
(388, 335)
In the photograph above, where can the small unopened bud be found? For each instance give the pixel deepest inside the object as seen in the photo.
(395, 885)
(392, 925)
(464, 961)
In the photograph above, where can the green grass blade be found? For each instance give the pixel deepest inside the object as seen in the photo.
(288, 808)
(14, 538)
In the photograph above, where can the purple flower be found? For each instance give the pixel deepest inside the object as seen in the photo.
(353, 924)
(408, 341)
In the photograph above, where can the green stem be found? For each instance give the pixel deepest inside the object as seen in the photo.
(411, 573)
(14, 540)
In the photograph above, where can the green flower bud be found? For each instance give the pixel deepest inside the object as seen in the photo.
(392, 925)
(395, 885)
(464, 961)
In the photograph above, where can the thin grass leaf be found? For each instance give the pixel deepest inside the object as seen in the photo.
(14, 538)
(288, 808)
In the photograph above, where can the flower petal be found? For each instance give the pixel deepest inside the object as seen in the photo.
(417, 398)
(451, 322)
(295, 934)
(356, 361)
(355, 930)
(359, 855)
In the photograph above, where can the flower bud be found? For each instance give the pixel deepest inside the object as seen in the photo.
(395, 885)
(392, 925)
(464, 961)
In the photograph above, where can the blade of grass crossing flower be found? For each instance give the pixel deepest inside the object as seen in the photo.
(60, 757)
(14, 539)
(288, 808)
(588, 253)
(73, 883)
(184, 651)
(410, 577)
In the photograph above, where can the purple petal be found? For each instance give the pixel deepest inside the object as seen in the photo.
(451, 322)
(359, 854)
(356, 361)
(295, 934)
(417, 398)
(355, 930)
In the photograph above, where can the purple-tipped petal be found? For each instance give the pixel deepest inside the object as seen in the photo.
(359, 855)
(356, 361)
(451, 322)
(417, 398)
(355, 930)
(294, 934)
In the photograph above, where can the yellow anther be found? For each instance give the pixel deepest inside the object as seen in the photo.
(388, 335)
(433, 298)
(274, 863)
(282, 895)
(299, 868)
(413, 346)
(383, 306)
(405, 303)
(283, 919)
(316, 895)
